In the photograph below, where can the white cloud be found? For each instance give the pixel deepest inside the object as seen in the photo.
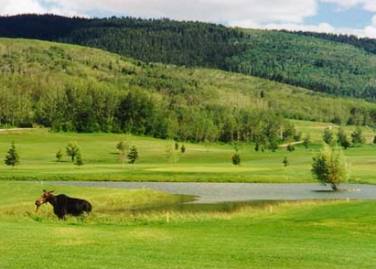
(9, 7)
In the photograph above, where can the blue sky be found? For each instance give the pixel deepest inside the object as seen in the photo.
(338, 16)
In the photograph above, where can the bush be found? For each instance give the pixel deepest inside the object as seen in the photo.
(59, 155)
(290, 147)
(183, 149)
(330, 167)
(79, 160)
(357, 136)
(72, 150)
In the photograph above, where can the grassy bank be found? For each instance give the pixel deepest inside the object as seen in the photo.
(200, 162)
(121, 234)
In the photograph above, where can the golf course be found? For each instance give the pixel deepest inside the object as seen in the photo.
(145, 228)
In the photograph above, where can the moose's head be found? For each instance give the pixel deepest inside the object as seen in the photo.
(46, 197)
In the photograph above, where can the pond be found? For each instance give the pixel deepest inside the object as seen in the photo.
(210, 193)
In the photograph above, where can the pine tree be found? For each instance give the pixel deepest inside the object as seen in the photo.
(183, 149)
(285, 161)
(327, 136)
(132, 155)
(12, 158)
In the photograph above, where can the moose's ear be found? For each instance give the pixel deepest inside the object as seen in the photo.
(44, 191)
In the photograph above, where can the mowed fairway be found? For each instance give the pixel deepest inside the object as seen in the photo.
(123, 232)
(201, 162)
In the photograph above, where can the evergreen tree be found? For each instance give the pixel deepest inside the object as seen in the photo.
(285, 161)
(183, 149)
(12, 158)
(132, 155)
(328, 136)
(236, 158)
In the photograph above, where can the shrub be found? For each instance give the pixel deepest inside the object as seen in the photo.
(132, 155)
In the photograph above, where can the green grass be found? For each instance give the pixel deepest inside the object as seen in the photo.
(201, 162)
(280, 235)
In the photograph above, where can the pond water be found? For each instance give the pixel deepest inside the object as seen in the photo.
(210, 193)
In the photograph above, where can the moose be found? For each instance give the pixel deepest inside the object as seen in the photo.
(64, 205)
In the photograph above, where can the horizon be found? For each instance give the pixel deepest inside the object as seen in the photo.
(350, 17)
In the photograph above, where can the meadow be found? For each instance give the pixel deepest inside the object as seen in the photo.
(148, 229)
(158, 161)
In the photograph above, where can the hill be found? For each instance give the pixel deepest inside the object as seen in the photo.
(73, 88)
(338, 66)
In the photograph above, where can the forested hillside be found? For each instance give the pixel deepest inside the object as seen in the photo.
(73, 88)
(341, 66)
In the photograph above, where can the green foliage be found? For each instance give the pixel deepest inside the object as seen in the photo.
(330, 167)
(285, 57)
(357, 136)
(132, 155)
(72, 150)
(183, 149)
(285, 161)
(328, 136)
(78, 160)
(122, 146)
(290, 147)
(59, 155)
(12, 158)
(307, 141)
(374, 140)
(236, 158)
(342, 139)
(176, 146)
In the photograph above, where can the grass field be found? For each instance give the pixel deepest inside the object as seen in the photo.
(123, 232)
(201, 162)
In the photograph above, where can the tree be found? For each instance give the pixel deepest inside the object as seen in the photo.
(122, 146)
(257, 147)
(236, 158)
(132, 155)
(59, 155)
(290, 147)
(285, 161)
(12, 158)
(330, 167)
(72, 150)
(78, 160)
(374, 140)
(307, 141)
(171, 154)
(342, 139)
(176, 146)
(357, 136)
(327, 136)
(183, 149)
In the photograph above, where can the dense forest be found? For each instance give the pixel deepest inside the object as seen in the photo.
(368, 44)
(73, 88)
(338, 65)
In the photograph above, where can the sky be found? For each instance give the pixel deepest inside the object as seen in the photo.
(356, 17)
